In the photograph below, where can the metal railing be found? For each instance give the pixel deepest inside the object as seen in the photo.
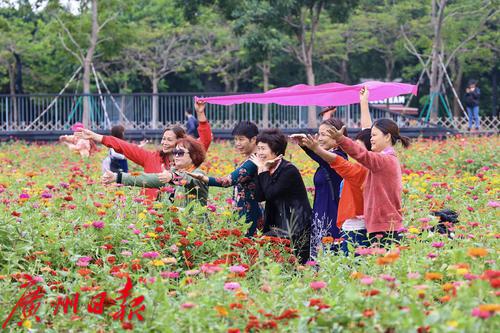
(45, 112)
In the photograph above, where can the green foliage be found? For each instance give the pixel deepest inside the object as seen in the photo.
(228, 43)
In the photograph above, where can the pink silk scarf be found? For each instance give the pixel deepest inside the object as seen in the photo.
(328, 94)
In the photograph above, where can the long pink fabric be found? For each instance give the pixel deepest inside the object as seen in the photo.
(328, 94)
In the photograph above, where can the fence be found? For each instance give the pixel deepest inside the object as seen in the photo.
(49, 112)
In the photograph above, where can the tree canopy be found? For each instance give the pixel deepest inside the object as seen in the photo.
(250, 45)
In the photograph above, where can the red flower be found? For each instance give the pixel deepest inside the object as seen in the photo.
(372, 292)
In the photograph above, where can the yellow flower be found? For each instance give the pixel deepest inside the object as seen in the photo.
(141, 216)
(413, 230)
(462, 271)
(158, 262)
(27, 324)
(452, 323)
(152, 235)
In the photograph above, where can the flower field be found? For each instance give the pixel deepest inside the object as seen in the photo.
(68, 246)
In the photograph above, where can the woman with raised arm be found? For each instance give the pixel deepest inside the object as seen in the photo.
(350, 217)
(188, 154)
(154, 161)
(383, 186)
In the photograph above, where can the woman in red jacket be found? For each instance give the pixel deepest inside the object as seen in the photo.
(383, 186)
(152, 161)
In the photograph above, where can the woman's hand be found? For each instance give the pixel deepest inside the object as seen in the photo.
(165, 176)
(88, 134)
(311, 142)
(199, 107)
(298, 138)
(271, 164)
(363, 95)
(198, 176)
(334, 133)
(257, 161)
(108, 177)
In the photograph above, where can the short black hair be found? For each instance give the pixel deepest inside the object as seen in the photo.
(118, 131)
(275, 139)
(364, 136)
(189, 111)
(246, 128)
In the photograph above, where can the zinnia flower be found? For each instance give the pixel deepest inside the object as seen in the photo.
(231, 286)
(98, 224)
(317, 285)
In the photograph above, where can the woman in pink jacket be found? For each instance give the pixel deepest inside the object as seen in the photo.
(383, 186)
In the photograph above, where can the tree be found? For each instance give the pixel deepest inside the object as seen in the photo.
(85, 51)
(442, 53)
(163, 44)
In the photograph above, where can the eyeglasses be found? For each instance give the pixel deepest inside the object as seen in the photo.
(178, 152)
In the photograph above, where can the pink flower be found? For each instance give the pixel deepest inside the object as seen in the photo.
(494, 204)
(432, 255)
(476, 312)
(211, 208)
(367, 280)
(438, 244)
(83, 261)
(24, 196)
(237, 269)
(317, 285)
(387, 277)
(188, 305)
(150, 255)
(311, 263)
(413, 275)
(98, 224)
(210, 268)
(126, 253)
(192, 272)
(169, 275)
(231, 286)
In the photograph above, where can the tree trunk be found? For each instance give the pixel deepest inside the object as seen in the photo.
(457, 85)
(312, 118)
(266, 71)
(494, 91)
(122, 101)
(12, 87)
(436, 78)
(344, 77)
(154, 112)
(389, 67)
(86, 94)
(87, 61)
(19, 74)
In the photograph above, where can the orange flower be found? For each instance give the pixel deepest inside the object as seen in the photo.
(84, 271)
(221, 311)
(490, 307)
(327, 240)
(477, 252)
(433, 276)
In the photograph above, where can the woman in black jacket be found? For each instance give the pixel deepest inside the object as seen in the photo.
(279, 183)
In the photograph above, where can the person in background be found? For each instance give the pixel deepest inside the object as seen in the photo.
(115, 162)
(327, 112)
(243, 178)
(155, 161)
(83, 146)
(192, 124)
(287, 212)
(472, 94)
